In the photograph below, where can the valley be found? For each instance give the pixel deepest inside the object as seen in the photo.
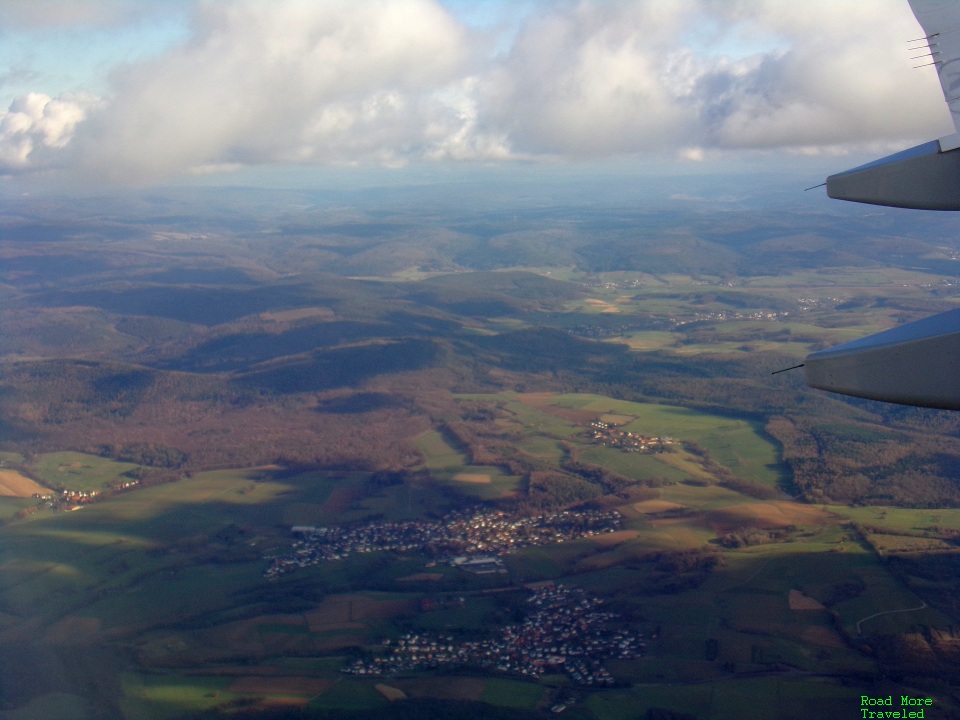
(178, 393)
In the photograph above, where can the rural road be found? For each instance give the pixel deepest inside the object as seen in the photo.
(921, 606)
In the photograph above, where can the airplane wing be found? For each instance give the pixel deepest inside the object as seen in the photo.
(917, 363)
(926, 176)
(913, 364)
(940, 21)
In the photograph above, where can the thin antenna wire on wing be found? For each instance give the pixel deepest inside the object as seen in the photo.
(777, 372)
(925, 44)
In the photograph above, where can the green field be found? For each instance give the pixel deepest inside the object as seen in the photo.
(449, 465)
(904, 520)
(813, 336)
(753, 698)
(542, 447)
(737, 444)
(702, 498)
(440, 455)
(79, 471)
(189, 556)
(534, 424)
(10, 505)
(149, 697)
(634, 465)
(512, 693)
(349, 694)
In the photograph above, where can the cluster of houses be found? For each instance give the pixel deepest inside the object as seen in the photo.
(565, 631)
(74, 499)
(607, 435)
(805, 304)
(615, 284)
(727, 315)
(478, 564)
(477, 532)
(598, 332)
(66, 499)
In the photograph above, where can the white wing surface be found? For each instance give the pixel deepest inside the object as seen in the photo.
(940, 20)
(914, 364)
(927, 176)
(917, 363)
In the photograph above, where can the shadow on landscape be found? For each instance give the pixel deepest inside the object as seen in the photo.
(343, 367)
(362, 402)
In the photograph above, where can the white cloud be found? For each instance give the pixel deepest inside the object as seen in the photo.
(845, 77)
(36, 124)
(268, 82)
(609, 76)
(590, 79)
(391, 82)
(692, 154)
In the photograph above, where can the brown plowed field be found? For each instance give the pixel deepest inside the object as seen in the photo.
(652, 507)
(768, 515)
(614, 538)
(13, 484)
(799, 601)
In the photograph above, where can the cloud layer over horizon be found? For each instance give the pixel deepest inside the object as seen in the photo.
(396, 82)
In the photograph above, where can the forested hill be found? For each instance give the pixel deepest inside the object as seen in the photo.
(226, 329)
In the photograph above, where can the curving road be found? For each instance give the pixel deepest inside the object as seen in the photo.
(921, 606)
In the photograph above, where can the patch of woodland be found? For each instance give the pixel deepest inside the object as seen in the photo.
(872, 463)
(184, 420)
(932, 576)
(923, 654)
(548, 485)
(338, 387)
(750, 536)
(663, 572)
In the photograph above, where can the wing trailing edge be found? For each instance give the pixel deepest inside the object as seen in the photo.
(913, 364)
(923, 177)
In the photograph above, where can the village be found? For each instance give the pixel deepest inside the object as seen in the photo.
(454, 539)
(67, 499)
(728, 315)
(631, 325)
(606, 434)
(565, 631)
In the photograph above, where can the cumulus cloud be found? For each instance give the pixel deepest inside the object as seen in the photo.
(35, 125)
(390, 82)
(592, 79)
(844, 76)
(612, 76)
(290, 82)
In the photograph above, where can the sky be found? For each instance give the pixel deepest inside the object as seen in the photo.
(147, 92)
